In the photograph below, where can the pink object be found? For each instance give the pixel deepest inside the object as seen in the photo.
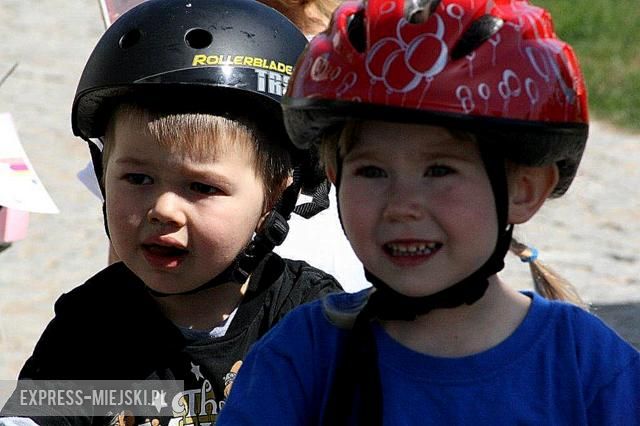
(13, 224)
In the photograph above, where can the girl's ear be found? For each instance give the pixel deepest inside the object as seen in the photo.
(529, 187)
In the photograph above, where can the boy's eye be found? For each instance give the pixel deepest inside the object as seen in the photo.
(370, 172)
(203, 188)
(138, 179)
(438, 170)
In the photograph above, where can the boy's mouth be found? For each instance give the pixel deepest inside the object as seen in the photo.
(164, 256)
(411, 249)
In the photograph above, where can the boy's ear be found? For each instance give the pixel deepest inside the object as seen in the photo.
(331, 175)
(264, 215)
(529, 187)
(266, 208)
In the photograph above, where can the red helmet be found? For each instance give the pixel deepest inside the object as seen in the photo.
(493, 67)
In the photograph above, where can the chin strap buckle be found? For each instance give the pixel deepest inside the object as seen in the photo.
(274, 229)
(273, 233)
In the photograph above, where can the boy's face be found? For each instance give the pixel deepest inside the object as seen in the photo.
(177, 222)
(417, 206)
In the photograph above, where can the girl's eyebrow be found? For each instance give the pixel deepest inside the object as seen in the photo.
(459, 153)
(361, 152)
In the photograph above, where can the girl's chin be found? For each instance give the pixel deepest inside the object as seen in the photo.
(410, 287)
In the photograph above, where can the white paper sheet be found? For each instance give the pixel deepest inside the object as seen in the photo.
(113, 9)
(20, 187)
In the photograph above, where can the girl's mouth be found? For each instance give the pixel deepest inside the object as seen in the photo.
(162, 256)
(410, 253)
(411, 249)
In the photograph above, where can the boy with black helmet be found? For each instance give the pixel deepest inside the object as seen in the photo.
(330, 250)
(443, 124)
(180, 104)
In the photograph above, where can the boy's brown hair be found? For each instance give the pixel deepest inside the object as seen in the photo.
(202, 135)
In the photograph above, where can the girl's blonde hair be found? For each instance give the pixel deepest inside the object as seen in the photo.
(315, 13)
(545, 280)
(337, 143)
(202, 136)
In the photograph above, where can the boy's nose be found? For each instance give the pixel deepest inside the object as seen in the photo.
(166, 210)
(405, 202)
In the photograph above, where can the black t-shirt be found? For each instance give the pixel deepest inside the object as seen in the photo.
(111, 329)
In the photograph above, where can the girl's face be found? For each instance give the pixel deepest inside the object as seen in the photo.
(177, 222)
(417, 206)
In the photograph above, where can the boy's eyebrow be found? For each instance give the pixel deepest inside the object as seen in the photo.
(130, 160)
(191, 169)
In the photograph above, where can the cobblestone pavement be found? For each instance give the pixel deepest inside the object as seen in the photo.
(591, 235)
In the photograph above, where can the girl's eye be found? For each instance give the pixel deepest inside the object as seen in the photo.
(370, 172)
(203, 188)
(438, 170)
(137, 179)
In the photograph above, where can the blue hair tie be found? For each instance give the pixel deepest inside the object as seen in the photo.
(532, 257)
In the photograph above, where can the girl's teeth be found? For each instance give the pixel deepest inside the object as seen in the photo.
(419, 249)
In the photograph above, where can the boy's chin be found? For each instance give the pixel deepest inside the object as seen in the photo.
(166, 284)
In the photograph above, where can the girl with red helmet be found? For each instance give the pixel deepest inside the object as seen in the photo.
(442, 124)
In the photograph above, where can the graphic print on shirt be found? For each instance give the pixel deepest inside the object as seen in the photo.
(198, 405)
(230, 377)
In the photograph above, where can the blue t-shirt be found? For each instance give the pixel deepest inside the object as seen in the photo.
(561, 366)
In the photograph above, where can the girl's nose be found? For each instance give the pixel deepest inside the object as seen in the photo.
(166, 210)
(405, 202)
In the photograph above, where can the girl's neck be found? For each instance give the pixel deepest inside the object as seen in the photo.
(468, 329)
(205, 309)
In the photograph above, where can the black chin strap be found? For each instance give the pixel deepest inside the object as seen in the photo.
(356, 387)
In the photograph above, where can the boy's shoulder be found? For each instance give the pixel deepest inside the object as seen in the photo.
(114, 284)
(336, 311)
(288, 283)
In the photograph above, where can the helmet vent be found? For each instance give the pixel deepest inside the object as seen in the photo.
(481, 30)
(130, 39)
(356, 31)
(418, 11)
(198, 38)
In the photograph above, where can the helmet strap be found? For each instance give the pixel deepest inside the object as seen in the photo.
(96, 160)
(357, 372)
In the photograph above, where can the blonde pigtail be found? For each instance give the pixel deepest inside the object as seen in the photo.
(546, 281)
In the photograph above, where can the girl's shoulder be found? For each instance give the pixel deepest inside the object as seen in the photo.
(583, 333)
(341, 310)
(569, 317)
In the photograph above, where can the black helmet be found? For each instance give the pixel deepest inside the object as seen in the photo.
(204, 53)
(218, 56)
